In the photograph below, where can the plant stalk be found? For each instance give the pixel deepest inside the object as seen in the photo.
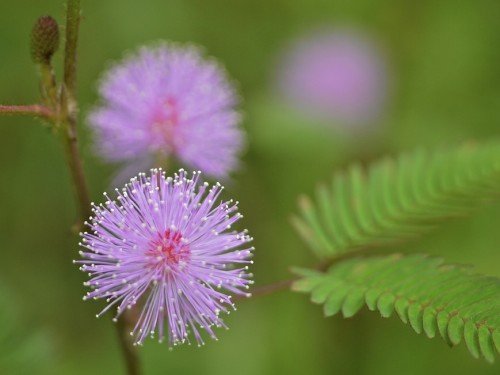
(68, 122)
(48, 85)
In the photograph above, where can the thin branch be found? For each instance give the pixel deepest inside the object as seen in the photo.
(69, 110)
(36, 110)
(75, 166)
(68, 121)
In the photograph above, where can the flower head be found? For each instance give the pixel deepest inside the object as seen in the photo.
(169, 100)
(166, 244)
(335, 75)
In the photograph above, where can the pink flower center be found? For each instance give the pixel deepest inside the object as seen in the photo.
(164, 123)
(168, 251)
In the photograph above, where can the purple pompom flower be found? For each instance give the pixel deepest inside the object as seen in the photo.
(168, 100)
(335, 75)
(167, 245)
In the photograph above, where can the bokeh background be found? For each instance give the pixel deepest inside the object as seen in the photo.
(443, 60)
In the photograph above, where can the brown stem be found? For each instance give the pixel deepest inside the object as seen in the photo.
(32, 110)
(69, 111)
(75, 166)
(72, 27)
(68, 121)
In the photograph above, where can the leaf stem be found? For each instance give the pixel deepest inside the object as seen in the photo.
(322, 266)
(269, 288)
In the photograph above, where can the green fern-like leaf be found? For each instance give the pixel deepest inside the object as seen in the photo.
(433, 297)
(396, 199)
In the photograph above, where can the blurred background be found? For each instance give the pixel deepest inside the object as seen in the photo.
(418, 74)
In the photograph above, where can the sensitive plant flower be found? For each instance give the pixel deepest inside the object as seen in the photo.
(335, 75)
(167, 245)
(168, 100)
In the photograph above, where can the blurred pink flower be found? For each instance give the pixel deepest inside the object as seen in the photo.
(335, 75)
(168, 100)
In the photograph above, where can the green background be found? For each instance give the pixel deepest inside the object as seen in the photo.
(444, 58)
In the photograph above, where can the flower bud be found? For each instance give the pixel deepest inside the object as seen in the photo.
(44, 39)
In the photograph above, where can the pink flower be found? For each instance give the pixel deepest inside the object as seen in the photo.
(168, 100)
(337, 76)
(166, 244)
